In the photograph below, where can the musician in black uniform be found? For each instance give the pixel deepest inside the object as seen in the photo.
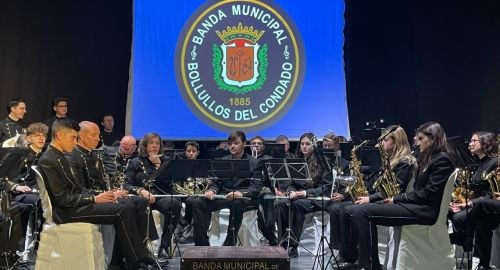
(484, 146)
(265, 214)
(235, 190)
(117, 158)
(73, 202)
(299, 190)
(485, 216)
(395, 144)
(13, 228)
(420, 206)
(12, 124)
(59, 110)
(137, 182)
(87, 164)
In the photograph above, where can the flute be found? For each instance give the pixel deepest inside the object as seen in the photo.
(273, 197)
(215, 197)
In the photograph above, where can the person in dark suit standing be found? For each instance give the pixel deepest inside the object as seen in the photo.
(60, 110)
(12, 125)
(240, 194)
(420, 206)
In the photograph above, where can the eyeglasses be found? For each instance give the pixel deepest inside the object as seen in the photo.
(473, 141)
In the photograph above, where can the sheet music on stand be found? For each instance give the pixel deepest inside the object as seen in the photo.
(459, 152)
(231, 168)
(11, 159)
(276, 150)
(289, 170)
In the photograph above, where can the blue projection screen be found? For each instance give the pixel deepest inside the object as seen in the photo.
(201, 69)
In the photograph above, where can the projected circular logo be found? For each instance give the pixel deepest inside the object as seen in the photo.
(239, 64)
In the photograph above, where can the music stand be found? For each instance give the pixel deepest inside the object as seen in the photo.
(345, 150)
(217, 153)
(172, 153)
(227, 170)
(462, 157)
(11, 160)
(276, 150)
(177, 172)
(288, 170)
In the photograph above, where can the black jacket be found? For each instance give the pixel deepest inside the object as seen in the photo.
(8, 129)
(64, 189)
(404, 171)
(114, 162)
(87, 168)
(425, 199)
(139, 171)
(249, 187)
(481, 187)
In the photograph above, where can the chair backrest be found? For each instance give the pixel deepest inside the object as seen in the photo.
(44, 196)
(445, 201)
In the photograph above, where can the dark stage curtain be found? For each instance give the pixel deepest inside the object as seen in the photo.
(415, 61)
(76, 49)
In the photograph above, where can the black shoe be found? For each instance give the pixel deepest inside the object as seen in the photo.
(484, 267)
(148, 260)
(293, 252)
(347, 265)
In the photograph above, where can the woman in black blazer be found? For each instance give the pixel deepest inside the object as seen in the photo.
(420, 206)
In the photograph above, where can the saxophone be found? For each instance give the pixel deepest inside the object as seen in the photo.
(358, 189)
(492, 177)
(460, 192)
(387, 184)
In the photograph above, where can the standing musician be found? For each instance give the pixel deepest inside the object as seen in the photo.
(403, 166)
(73, 202)
(299, 191)
(420, 206)
(235, 191)
(12, 124)
(60, 111)
(87, 165)
(137, 182)
(265, 214)
(483, 145)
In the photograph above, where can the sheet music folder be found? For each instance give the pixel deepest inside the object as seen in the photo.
(180, 170)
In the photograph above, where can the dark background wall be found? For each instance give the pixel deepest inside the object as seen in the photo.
(406, 61)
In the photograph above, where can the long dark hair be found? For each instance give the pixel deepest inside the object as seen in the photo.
(434, 131)
(308, 135)
(488, 142)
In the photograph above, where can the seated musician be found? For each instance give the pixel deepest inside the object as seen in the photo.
(36, 134)
(282, 139)
(420, 206)
(403, 166)
(240, 194)
(73, 202)
(138, 182)
(191, 151)
(87, 164)
(117, 158)
(265, 214)
(299, 191)
(485, 217)
(484, 146)
(12, 228)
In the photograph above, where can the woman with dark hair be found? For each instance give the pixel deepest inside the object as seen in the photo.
(420, 206)
(137, 176)
(299, 191)
(484, 146)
